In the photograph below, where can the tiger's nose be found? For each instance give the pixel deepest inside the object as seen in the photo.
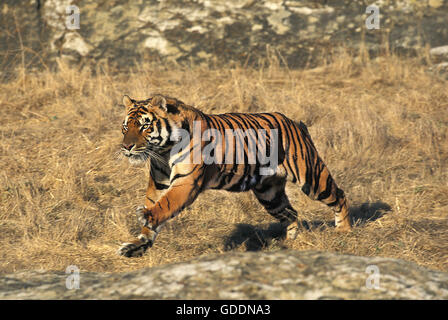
(128, 146)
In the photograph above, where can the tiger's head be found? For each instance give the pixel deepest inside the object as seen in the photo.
(147, 127)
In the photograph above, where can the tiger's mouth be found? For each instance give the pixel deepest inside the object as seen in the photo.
(135, 157)
(142, 155)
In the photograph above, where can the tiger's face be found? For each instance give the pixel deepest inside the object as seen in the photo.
(145, 128)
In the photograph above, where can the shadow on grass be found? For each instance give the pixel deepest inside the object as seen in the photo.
(366, 212)
(255, 238)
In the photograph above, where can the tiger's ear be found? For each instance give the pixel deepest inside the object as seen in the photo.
(127, 101)
(159, 101)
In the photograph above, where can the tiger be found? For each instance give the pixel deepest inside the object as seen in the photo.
(151, 133)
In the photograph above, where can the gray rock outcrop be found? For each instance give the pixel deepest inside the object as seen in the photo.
(439, 56)
(250, 275)
(122, 32)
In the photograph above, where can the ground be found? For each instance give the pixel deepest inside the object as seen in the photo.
(68, 198)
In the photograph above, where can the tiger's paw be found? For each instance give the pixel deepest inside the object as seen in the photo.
(134, 249)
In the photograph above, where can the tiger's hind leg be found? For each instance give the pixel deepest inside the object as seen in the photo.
(328, 193)
(341, 213)
(272, 196)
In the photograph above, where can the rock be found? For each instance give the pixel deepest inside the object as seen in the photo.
(122, 32)
(283, 274)
(439, 58)
(439, 69)
(439, 54)
(435, 3)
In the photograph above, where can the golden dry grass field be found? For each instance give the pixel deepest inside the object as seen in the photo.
(68, 199)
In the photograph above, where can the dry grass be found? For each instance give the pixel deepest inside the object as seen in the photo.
(66, 199)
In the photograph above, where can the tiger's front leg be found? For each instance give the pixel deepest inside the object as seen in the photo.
(147, 236)
(185, 185)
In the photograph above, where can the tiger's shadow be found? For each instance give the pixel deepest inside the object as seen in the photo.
(255, 238)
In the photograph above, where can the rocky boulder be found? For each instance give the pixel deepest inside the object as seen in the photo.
(283, 274)
(123, 32)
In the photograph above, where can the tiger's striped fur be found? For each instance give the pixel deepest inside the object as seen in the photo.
(176, 183)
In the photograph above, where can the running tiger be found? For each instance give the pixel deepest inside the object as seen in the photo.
(216, 151)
